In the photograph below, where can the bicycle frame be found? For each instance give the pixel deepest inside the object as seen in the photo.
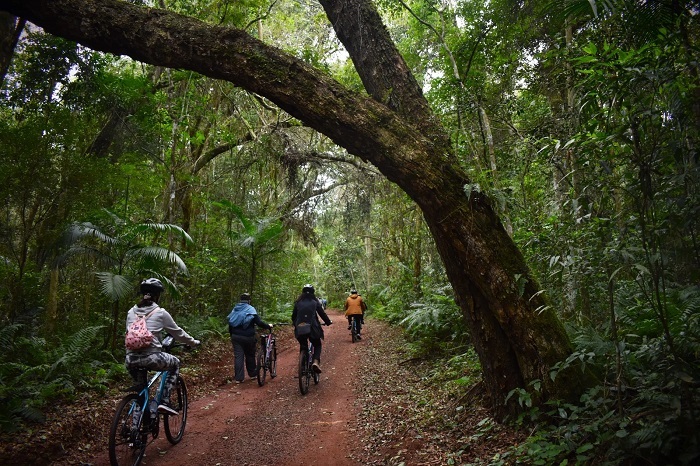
(310, 350)
(306, 372)
(138, 417)
(264, 358)
(145, 393)
(354, 330)
(269, 340)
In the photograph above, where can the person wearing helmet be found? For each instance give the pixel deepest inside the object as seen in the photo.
(241, 326)
(307, 310)
(152, 357)
(355, 308)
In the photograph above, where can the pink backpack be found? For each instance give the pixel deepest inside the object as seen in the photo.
(137, 334)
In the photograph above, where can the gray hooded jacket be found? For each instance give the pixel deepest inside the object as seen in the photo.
(160, 320)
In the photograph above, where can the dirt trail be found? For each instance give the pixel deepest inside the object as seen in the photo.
(274, 424)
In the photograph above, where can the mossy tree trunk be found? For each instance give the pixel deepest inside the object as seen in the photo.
(517, 337)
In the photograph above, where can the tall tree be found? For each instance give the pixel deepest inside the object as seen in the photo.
(517, 336)
(10, 30)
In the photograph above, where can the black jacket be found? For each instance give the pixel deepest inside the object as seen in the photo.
(249, 331)
(311, 303)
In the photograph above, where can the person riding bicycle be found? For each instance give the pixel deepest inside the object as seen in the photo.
(152, 357)
(307, 310)
(355, 308)
(241, 326)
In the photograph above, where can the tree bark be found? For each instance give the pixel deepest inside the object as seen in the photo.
(517, 336)
(10, 30)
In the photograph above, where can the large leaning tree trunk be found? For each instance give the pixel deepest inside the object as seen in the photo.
(517, 337)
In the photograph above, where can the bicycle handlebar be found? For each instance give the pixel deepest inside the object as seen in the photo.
(169, 344)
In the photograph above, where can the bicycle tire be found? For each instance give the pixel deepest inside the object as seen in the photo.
(354, 330)
(304, 372)
(127, 443)
(261, 364)
(174, 426)
(273, 361)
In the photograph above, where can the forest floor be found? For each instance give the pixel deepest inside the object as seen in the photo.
(374, 405)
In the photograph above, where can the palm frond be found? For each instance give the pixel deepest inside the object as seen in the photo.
(248, 226)
(116, 219)
(269, 229)
(82, 251)
(116, 287)
(79, 231)
(159, 254)
(165, 228)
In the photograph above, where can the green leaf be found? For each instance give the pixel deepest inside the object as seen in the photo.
(590, 48)
(584, 448)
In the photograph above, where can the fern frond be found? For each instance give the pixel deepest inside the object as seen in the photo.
(30, 413)
(81, 341)
(7, 337)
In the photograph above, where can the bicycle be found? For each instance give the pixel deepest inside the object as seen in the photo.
(354, 329)
(138, 417)
(306, 371)
(266, 357)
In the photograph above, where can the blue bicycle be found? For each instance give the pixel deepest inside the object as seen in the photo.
(137, 420)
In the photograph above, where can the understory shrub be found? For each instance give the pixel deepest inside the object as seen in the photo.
(32, 374)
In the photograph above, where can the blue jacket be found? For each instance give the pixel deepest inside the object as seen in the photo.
(248, 331)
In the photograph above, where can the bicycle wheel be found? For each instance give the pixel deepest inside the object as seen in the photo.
(273, 361)
(127, 444)
(354, 330)
(175, 425)
(261, 364)
(304, 372)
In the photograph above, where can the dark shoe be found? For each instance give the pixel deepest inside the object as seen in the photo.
(349, 327)
(316, 366)
(359, 337)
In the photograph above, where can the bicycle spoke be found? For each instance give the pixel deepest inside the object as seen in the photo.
(260, 362)
(175, 424)
(273, 361)
(127, 444)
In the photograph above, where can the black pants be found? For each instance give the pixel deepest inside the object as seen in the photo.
(358, 319)
(243, 351)
(303, 345)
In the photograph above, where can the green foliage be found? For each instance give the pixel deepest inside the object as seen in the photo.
(33, 375)
(590, 152)
(120, 246)
(434, 323)
(462, 371)
(646, 405)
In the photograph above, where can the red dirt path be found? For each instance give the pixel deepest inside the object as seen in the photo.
(274, 424)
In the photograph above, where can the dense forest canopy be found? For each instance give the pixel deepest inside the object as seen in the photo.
(486, 174)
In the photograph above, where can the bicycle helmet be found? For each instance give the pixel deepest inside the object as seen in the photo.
(353, 291)
(152, 286)
(308, 288)
(245, 297)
